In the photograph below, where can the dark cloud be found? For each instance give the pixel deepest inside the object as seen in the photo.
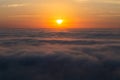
(61, 67)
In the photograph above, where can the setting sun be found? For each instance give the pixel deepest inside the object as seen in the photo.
(59, 21)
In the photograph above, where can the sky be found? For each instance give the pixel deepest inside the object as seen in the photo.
(75, 13)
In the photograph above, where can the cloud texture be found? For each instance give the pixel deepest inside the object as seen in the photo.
(69, 55)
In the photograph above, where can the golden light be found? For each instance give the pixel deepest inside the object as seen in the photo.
(59, 21)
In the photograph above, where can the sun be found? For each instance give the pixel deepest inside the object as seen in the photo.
(59, 21)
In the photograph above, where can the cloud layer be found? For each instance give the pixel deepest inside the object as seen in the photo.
(46, 55)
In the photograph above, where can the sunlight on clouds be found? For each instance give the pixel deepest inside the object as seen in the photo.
(112, 1)
(101, 1)
(24, 16)
(80, 0)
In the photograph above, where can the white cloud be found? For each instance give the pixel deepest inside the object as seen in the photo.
(14, 5)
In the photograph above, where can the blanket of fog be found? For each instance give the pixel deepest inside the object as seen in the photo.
(79, 54)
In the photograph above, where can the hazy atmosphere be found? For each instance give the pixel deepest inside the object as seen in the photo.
(77, 13)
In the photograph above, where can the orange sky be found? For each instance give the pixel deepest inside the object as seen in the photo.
(75, 13)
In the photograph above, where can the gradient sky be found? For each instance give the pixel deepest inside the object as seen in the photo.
(43, 13)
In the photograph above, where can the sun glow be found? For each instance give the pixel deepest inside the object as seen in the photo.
(59, 21)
